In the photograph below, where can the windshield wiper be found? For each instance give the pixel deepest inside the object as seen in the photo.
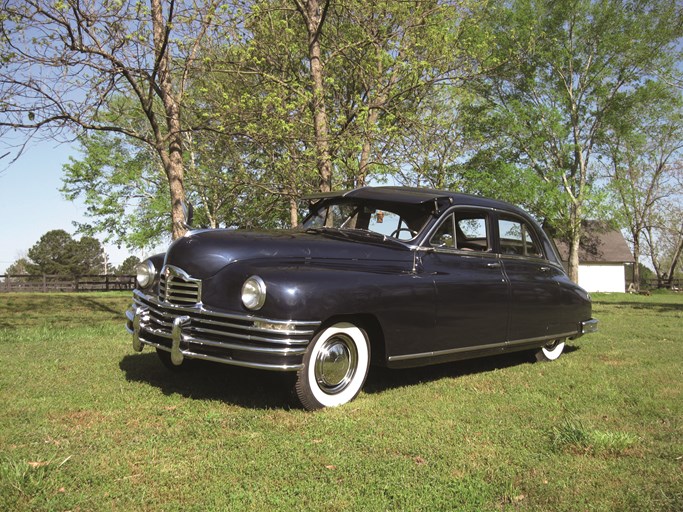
(356, 233)
(328, 231)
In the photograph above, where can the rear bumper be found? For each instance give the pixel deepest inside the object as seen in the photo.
(194, 332)
(589, 326)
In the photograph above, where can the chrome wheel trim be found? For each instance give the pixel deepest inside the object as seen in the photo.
(336, 363)
(317, 394)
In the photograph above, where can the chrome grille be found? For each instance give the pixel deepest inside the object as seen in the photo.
(176, 287)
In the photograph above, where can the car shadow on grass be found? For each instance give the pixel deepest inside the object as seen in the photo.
(659, 307)
(382, 379)
(259, 389)
(201, 380)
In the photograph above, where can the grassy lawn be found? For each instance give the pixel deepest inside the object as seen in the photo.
(87, 424)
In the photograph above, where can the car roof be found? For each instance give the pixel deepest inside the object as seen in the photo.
(413, 195)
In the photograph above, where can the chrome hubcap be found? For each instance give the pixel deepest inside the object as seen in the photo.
(552, 345)
(335, 364)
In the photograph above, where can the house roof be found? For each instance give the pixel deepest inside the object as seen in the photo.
(599, 244)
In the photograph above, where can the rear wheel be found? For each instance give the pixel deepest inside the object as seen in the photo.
(335, 367)
(551, 351)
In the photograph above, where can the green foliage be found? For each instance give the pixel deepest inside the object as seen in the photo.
(517, 99)
(254, 154)
(127, 267)
(123, 187)
(57, 253)
(562, 70)
(644, 144)
(20, 266)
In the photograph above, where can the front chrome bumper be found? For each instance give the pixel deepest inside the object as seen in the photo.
(194, 332)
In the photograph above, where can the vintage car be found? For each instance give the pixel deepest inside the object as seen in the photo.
(389, 276)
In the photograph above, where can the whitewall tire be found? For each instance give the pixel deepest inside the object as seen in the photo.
(551, 351)
(335, 366)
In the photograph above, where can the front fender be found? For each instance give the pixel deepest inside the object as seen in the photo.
(402, 302)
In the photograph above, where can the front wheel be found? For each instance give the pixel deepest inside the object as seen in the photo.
(550, 351)
(335, 367)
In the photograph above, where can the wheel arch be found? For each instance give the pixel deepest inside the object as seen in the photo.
(372, 328)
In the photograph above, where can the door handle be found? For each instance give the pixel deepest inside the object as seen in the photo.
(545, 269)
(493, 265)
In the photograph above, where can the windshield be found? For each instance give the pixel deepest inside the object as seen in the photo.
(399, 221)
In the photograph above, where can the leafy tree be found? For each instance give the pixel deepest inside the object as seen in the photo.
(394, 64)
(644, 146)
(58, 253)
(127, 267)
(563, 67)
(382, 62)
(65, 62)
(123, 186)
(19, 267)
(664, 241)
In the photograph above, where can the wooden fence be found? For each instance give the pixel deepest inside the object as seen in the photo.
(651, 284)
(54, 283)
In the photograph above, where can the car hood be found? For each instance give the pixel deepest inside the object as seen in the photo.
(203, 253)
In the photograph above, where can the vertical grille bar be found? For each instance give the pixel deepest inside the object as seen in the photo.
(177, 287)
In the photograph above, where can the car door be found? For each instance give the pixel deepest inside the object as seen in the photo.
(535, 291)
(471, 290)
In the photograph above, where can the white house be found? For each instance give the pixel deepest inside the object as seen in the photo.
(603, 256)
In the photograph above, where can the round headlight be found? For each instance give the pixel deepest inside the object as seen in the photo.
(254, 293)
(145, 273)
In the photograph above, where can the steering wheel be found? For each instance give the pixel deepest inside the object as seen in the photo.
(398, 231)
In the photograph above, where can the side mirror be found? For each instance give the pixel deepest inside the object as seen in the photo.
(188, 213)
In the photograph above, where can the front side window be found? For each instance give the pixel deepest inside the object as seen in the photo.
(465, 231)
(517, 238)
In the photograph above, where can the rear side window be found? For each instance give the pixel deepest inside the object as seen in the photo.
(464, 231)
(517, 238)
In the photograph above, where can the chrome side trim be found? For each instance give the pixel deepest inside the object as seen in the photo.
(476, 348)
(421, 355)
(543, 338)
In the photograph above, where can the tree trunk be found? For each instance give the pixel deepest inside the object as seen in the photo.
(364, 163)
(636, 264)
(573, 264)
(174, 173)
(293, 213)
(574, 243)
(675, 258)
(314, 18)
(170, 147)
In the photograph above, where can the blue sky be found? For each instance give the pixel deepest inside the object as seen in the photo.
(31, 203)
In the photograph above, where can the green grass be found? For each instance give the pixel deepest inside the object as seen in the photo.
(87, 424)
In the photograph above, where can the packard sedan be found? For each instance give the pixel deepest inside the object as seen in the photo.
(390, 276)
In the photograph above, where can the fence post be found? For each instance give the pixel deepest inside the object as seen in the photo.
(44, 283)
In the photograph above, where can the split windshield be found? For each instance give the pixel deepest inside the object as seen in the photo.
(399, 221)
